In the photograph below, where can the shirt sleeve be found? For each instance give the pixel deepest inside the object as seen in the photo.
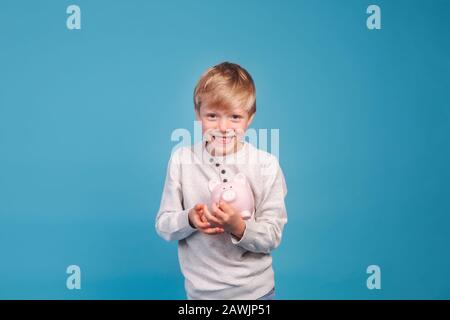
(172, 222)
(263, 233)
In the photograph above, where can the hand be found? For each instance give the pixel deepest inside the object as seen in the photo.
(225, 217)
(197, 220)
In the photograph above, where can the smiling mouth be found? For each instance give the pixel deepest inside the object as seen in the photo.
(222, 140)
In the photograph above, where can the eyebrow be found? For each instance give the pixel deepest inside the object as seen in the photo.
(232, 113)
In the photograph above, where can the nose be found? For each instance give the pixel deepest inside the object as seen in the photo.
(229, 195)
(223, 125)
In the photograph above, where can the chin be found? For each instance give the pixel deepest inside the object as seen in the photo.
(224, 149)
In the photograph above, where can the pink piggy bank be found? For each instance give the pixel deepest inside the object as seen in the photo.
(236, 192)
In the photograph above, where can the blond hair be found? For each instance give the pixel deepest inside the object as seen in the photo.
(227, 86)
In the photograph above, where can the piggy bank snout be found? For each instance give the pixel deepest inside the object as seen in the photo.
(229, 195)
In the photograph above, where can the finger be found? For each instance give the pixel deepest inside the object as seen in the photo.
(213, 230)
(198, 206)
(224, 206)
(210, 217)
(203, 218)
(213, 212)
(218, 213)
(200, 223)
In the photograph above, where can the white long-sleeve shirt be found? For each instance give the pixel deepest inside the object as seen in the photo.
(220, 266)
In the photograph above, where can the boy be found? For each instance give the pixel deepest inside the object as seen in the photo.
(221, 255)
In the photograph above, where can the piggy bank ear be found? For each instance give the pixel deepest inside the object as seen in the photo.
(240, 177)
(212, 184)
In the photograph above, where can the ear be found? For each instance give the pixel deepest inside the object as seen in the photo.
(212, 184)
(240, 177)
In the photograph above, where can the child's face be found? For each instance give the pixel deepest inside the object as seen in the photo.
(223, 129)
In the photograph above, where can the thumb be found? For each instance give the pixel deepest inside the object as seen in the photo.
(224, 206)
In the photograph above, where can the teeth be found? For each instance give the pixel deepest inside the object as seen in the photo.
(222, 139)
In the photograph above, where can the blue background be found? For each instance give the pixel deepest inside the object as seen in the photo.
(86, 118)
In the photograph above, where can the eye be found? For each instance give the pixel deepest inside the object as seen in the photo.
(211, 116)
(236, 117)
